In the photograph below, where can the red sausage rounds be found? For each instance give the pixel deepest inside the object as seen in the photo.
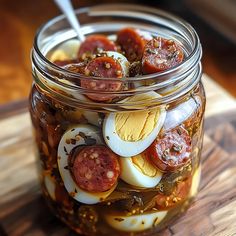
(94, 43)
(95, 168)
(104, 67)
(161, 54)
(172, 150)
(132, 43)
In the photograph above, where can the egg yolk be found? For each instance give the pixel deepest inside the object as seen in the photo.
(59, 55)
(135, 126)
(143, 165)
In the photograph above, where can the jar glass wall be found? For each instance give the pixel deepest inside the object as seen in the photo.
(151, 130)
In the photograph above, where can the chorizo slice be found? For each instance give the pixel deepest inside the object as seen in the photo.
(95, 168)
(161, 54)
(172, 150)
(94, 44)
(104, 67)
(132, 42)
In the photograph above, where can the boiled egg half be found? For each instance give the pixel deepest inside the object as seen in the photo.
(135, 223)
(66, 51)
(130, 133)
(180, 113)
(138, 171)
(76, 136)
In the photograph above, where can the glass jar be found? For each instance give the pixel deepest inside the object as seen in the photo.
(151, 131)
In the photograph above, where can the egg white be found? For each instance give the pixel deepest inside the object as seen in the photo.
(180, 113)
(64, 149)
(130, 148)
(112, 37)
(132, 175)
(142, 99)
(146, 35)
(93, 118)
(135, 223)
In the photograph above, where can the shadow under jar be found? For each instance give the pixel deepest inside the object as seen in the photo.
(126, 165)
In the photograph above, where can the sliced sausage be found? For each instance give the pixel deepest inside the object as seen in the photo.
(132, 43)
(105, 67)
(94, 44)
(161, 54)
(172, 150)
(95, 168)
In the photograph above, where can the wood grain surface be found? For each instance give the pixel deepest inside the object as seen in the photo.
(24, 213)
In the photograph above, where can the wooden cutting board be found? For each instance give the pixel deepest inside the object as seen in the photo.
(23, 212)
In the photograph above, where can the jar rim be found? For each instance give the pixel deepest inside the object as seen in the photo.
(162, 79)
(169, 16)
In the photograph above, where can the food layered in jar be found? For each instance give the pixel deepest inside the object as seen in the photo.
(126, 169)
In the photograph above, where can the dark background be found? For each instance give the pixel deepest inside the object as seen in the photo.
(20, 20)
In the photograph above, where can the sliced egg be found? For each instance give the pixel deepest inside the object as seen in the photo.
(50, 185)
(138, 171)
(59, 55)
(63, 89)
(93, 118)
(135, 223)
(180, 113)
(195, 182)
(144, 99)
(121, 59)
(112, 37)
(66, 51)
(79, 135)
(130, 133)
(146, 35)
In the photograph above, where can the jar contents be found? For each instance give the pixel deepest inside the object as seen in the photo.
(133, 53)
(118, 172)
